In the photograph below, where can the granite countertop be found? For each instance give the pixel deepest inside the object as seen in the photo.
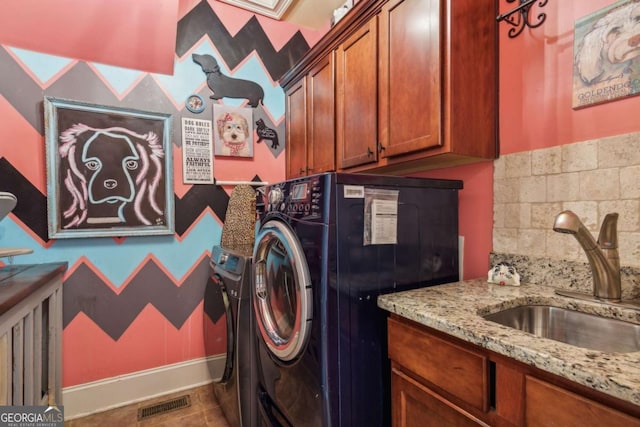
(456, 309)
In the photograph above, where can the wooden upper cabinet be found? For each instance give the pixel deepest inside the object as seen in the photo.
(321, 124)
(356, 98)
(296, 100)
(415, 87)
(311, 121)
(470, 94)
(410, 81)
(438, 82)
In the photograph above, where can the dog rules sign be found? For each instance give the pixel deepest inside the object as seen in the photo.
(197, 151)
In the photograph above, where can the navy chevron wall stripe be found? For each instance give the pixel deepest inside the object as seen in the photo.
(32, 204)
(21, 91)
(81, 83)
(197, 199)
(85, 291)
(202, 20)
(19, 88)
(31, 208)
(147, 95)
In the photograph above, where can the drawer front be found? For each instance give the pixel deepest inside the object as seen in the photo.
(415, 405)
(549, 405)
(456, 370)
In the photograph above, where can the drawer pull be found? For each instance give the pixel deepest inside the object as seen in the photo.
(492, 385)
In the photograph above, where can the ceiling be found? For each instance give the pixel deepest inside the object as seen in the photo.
(311, 13)
(138, 34)
(307, 13)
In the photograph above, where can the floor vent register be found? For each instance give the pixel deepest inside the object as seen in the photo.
(164, 407)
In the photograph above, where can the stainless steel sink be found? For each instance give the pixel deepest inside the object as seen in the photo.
(572, 327)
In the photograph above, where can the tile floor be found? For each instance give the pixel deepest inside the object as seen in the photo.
(203, 412)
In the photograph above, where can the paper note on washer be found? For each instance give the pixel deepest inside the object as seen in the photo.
(381, 217)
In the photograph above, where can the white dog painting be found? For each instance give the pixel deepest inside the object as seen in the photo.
(607, 54)
(233, 135)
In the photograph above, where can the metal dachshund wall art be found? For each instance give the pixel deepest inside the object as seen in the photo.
(267, 133)
(228, 87)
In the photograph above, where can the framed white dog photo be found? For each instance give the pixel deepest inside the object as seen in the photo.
(233, 131)
(606, 57)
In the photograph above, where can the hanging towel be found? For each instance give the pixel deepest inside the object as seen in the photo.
(238, 230)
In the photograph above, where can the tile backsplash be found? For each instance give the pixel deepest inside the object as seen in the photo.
(565, 274)
(591, 178)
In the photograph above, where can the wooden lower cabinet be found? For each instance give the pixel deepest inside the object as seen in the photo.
(438, 380)
(465, 376)
(415, 405)
(549, 405)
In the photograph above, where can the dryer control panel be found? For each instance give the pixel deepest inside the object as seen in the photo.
(300, 198)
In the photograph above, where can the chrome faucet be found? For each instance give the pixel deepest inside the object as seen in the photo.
(602, 255)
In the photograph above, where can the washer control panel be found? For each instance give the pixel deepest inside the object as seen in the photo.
(300, 198)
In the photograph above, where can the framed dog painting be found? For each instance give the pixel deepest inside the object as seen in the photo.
(108, 171)
(233, 134)
(607, 55)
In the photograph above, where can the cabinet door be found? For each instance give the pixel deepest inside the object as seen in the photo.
(410, 88)
(321, 100)
(458, 370)
(356, 98)
(413, 404)
(547, 404)
(296, 98)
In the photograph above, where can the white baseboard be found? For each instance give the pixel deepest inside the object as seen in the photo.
(90, 398)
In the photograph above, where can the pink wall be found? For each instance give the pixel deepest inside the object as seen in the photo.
(536, 72)
(137, 34)
(536, 84)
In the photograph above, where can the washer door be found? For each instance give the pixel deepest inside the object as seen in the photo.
(282, 291)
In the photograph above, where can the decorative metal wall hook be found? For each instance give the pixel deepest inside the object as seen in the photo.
(523, 18)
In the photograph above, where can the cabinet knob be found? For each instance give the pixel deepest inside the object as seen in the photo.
(381, 147)
(369, 152)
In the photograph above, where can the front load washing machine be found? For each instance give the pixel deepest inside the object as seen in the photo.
(235, 378)
(326, 247)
